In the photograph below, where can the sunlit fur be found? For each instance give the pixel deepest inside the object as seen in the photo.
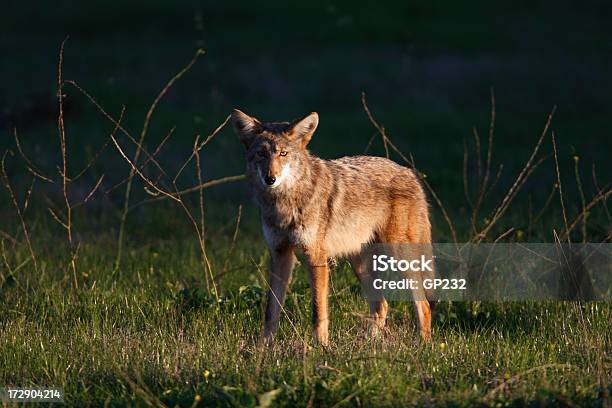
(327, 208)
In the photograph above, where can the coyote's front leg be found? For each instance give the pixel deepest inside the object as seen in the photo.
(319, 287)
(282, 263)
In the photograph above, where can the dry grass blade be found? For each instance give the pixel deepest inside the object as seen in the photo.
(518, 376)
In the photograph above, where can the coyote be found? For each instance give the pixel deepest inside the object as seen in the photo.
(327, 209)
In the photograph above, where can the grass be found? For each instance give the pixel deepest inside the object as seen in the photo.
(151, 333)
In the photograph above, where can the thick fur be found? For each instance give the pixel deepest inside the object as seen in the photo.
(327, 209)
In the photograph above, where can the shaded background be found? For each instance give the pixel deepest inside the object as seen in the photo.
(428, 71)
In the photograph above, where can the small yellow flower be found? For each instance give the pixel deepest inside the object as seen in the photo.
(442, 346)
(206, 374)
(197, 397)
(506, 376)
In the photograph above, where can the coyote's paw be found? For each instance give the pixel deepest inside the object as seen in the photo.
(321, 338)
(267, 339)
(376, 329)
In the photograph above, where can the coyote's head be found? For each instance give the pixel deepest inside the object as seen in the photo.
(275, 151)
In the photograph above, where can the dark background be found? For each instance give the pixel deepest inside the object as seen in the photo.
(428, 71)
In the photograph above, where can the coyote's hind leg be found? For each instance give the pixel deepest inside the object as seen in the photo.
(408, 223)
(379, 307)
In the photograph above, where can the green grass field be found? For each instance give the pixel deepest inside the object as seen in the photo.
(154, 331)
(150, 334)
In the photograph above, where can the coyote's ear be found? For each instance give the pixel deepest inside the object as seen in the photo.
(302, 130)
(245, 126)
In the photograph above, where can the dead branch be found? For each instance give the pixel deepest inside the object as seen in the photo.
(518, 183)
(18, 210)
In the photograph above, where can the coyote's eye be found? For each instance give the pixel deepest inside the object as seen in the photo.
(283, 153)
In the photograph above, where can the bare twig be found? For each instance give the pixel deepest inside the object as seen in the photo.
(558, 172)
(596, 184)
(518, 183)
(88, 196)
(485, 179)
(91, 161)
(546, 204)
(137, 171)
(423, 178)
(57, 218)
(601, 196)
(64, 172)
(478, 158)
(18, 210)
(202, 232)
(145, 162)
(204, 143)
(205, 185)
(381, 129)
(466, 189)
(143, 134)
(410, 162)
(582, 199)
(116, 122)
(29, 165)
(26, 201)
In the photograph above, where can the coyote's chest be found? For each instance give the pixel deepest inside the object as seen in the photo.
(336, 236)
(288, 229)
